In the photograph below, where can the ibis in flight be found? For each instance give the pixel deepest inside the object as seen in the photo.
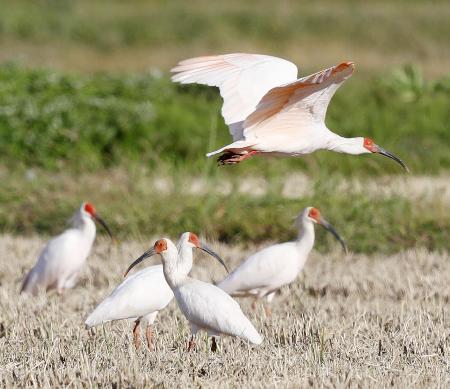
(269, 110)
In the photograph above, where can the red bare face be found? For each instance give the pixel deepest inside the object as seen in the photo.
(89, 208)
(194, 239)
(314, 214)
(370, 145)
(160, 246)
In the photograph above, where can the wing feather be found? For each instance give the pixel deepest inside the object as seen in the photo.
(243, 79)
(303, 101)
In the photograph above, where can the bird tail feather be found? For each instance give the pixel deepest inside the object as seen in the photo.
(252, 335)
(98, 316)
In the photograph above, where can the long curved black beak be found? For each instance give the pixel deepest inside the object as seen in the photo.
(98, 219)
(382, 151)
(206, 249)
(147, 254)
(330, 228)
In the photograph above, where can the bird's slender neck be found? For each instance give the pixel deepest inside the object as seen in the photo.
(339, 144)
(305, 240)
(85, 224)
(176, 268)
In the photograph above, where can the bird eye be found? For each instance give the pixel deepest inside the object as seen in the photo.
(194, 239)
(160, 245)
(313, 213)
(89, 208)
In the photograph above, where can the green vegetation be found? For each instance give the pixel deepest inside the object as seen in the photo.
(139, 205)
(52, 120)
(155, 130)
(109, 24)
(157, 33)
(67, 136)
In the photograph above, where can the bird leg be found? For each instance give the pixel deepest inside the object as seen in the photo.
(149, 335)
(231, 158)
(254, 303)
(267, 310)
(213, 344)
(137, 334)
(191, 344)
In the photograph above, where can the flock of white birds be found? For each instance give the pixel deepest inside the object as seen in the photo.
(268, 111)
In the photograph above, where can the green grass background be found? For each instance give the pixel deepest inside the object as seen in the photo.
(85, 92)
(51, 119)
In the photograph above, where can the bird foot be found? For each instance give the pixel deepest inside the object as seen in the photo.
(230, 158)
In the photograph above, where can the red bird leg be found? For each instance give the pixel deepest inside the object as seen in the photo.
(191, 344)
(149, 335)
(136, 334)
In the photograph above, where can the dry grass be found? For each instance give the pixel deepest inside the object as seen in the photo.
(357, 321)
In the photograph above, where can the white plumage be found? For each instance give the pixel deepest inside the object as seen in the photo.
(139, 297)
(270, 111)
(63, 257)
(204, 305)
(209, 308)
(243, 79)
(269, 269)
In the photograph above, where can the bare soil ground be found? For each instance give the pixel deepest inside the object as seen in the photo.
(349, 321)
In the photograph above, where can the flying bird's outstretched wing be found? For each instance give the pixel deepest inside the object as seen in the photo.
(243, 79)
(294, 106)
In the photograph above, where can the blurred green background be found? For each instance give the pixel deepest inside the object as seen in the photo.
(87, 111)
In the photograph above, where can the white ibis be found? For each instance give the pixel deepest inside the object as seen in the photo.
(141, 296)
(266, 271)
(270, 111)
(205, 306)
(63, 257)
